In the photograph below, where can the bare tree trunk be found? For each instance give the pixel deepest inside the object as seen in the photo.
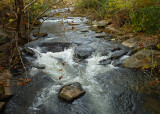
(20, 21)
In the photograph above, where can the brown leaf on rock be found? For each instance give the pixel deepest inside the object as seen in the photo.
(60, 77)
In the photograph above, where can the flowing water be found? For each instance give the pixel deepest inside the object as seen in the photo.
(110, 88)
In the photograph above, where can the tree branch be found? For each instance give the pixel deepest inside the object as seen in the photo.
(29, 5)
(44, 12)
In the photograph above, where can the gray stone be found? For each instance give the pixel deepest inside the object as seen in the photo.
(71, 92)
(118, 54)
(105, 62)
(138, 59)
(83, 51)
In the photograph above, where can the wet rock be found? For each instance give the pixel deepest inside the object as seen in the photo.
(132, 42)
(105, 62)
(41, 34)
(83, 51)
(138, 59)
(39, 66)
(118, 54)
(71, 92)
(54, 46)
(102, 23)
(116, 49)
(28, 51)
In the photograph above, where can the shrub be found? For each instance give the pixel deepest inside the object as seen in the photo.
(146, 19)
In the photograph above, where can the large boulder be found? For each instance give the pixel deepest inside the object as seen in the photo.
(141, 59)
(83, 51)
(54, 46)
(71, 92)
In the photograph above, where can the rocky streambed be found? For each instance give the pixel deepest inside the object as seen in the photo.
(70, 53)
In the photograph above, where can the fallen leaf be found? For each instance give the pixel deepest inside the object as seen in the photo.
(141, 45)
(158, 46)
(158, 56)
(62, 23)
(72, 28)
(60, 77)
(157, 81)
(63, 63)
(27, 80)
(1, 82)
(22, 83)
(10, 20)
(145, 67)
(151, 82)
(149, 58)
(58, 14)
(85, 35)
(60, 69)
(20, 79)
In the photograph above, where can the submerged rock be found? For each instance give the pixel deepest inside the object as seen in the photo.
(105, 62)
(83, 51)
(71, 92)
(138, 59)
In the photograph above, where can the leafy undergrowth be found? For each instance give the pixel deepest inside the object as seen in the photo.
(141, 15)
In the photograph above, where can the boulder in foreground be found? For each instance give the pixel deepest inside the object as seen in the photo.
(141, 59)
(71, 92)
